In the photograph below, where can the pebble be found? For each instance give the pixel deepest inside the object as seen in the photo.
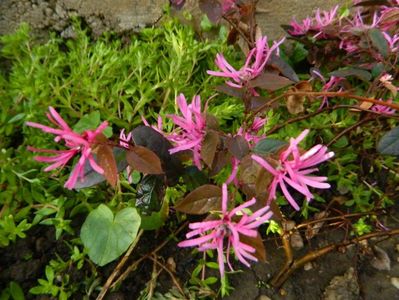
(395, 282)
(381, 260)
(397, 247)
(263, 297)
(343, 287)
(308, 266)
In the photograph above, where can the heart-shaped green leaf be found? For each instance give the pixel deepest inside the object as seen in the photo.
(107, 236)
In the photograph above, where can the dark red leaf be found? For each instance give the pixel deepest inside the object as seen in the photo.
(284, 68)
(209, 146)
(237, 146)
(151, 139)
(270, 81)
(222, 158)
(263, 181)
(228, 90)
(106, 160)
(257, 243)
(212, 9)
(144, 160)
(201, 201)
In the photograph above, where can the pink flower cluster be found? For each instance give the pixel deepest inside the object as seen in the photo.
(191, 128)
(351, 32)
(213, 234)
(295, 169)
(75, 142)
(317, 25)
(254, 65)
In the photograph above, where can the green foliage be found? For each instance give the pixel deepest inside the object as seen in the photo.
(107, 236)
(9, 230)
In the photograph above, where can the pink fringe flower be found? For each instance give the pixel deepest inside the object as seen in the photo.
(77, 143)
(191, 128)
(253, 67)
(210, 235)
(383, 108)
(294, 169)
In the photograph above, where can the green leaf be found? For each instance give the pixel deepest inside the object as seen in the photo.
(389, 144)
(107, 236)
(156, 219)
(149, 194)
(378, 41)
(16, 291)
(267, 146)
(88, 122)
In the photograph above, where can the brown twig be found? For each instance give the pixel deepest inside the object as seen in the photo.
(336, 218)
(343, 95)
(329, 108)
(172, 276)
(242, 34)
(347, 130)
(289, 268)
(119, 267)
(134, 265)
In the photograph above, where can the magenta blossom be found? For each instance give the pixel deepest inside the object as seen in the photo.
(393, 42)
(124, 141)
(300, 28)
(212, 234)
(317, 24)
(383, 109)
(75, 142)
(190, 128)
(255, 63)
(294, 169)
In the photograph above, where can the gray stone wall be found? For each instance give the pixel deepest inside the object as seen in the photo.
(120, 15)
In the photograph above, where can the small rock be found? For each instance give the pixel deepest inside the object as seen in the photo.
(69, 33)
(170, 262)
(296, 240)
(60, 11)
(308, 266)
(397, 248)
(263, 297)
(395, 282)
(48, 11)
(381, 260)
(343, 287)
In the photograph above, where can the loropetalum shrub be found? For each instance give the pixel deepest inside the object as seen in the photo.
(235, 177)
(196, 133)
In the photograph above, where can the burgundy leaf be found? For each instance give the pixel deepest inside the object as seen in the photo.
(201, 201)
(106, 160)
(237, 146)
(209, 147)
(212, 9)
(257, 243)
(270, 81)
(144, 160)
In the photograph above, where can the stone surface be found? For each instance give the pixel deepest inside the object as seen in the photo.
(121, 15)
(343, 287)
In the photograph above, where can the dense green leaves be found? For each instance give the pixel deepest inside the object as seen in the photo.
(107, 236)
